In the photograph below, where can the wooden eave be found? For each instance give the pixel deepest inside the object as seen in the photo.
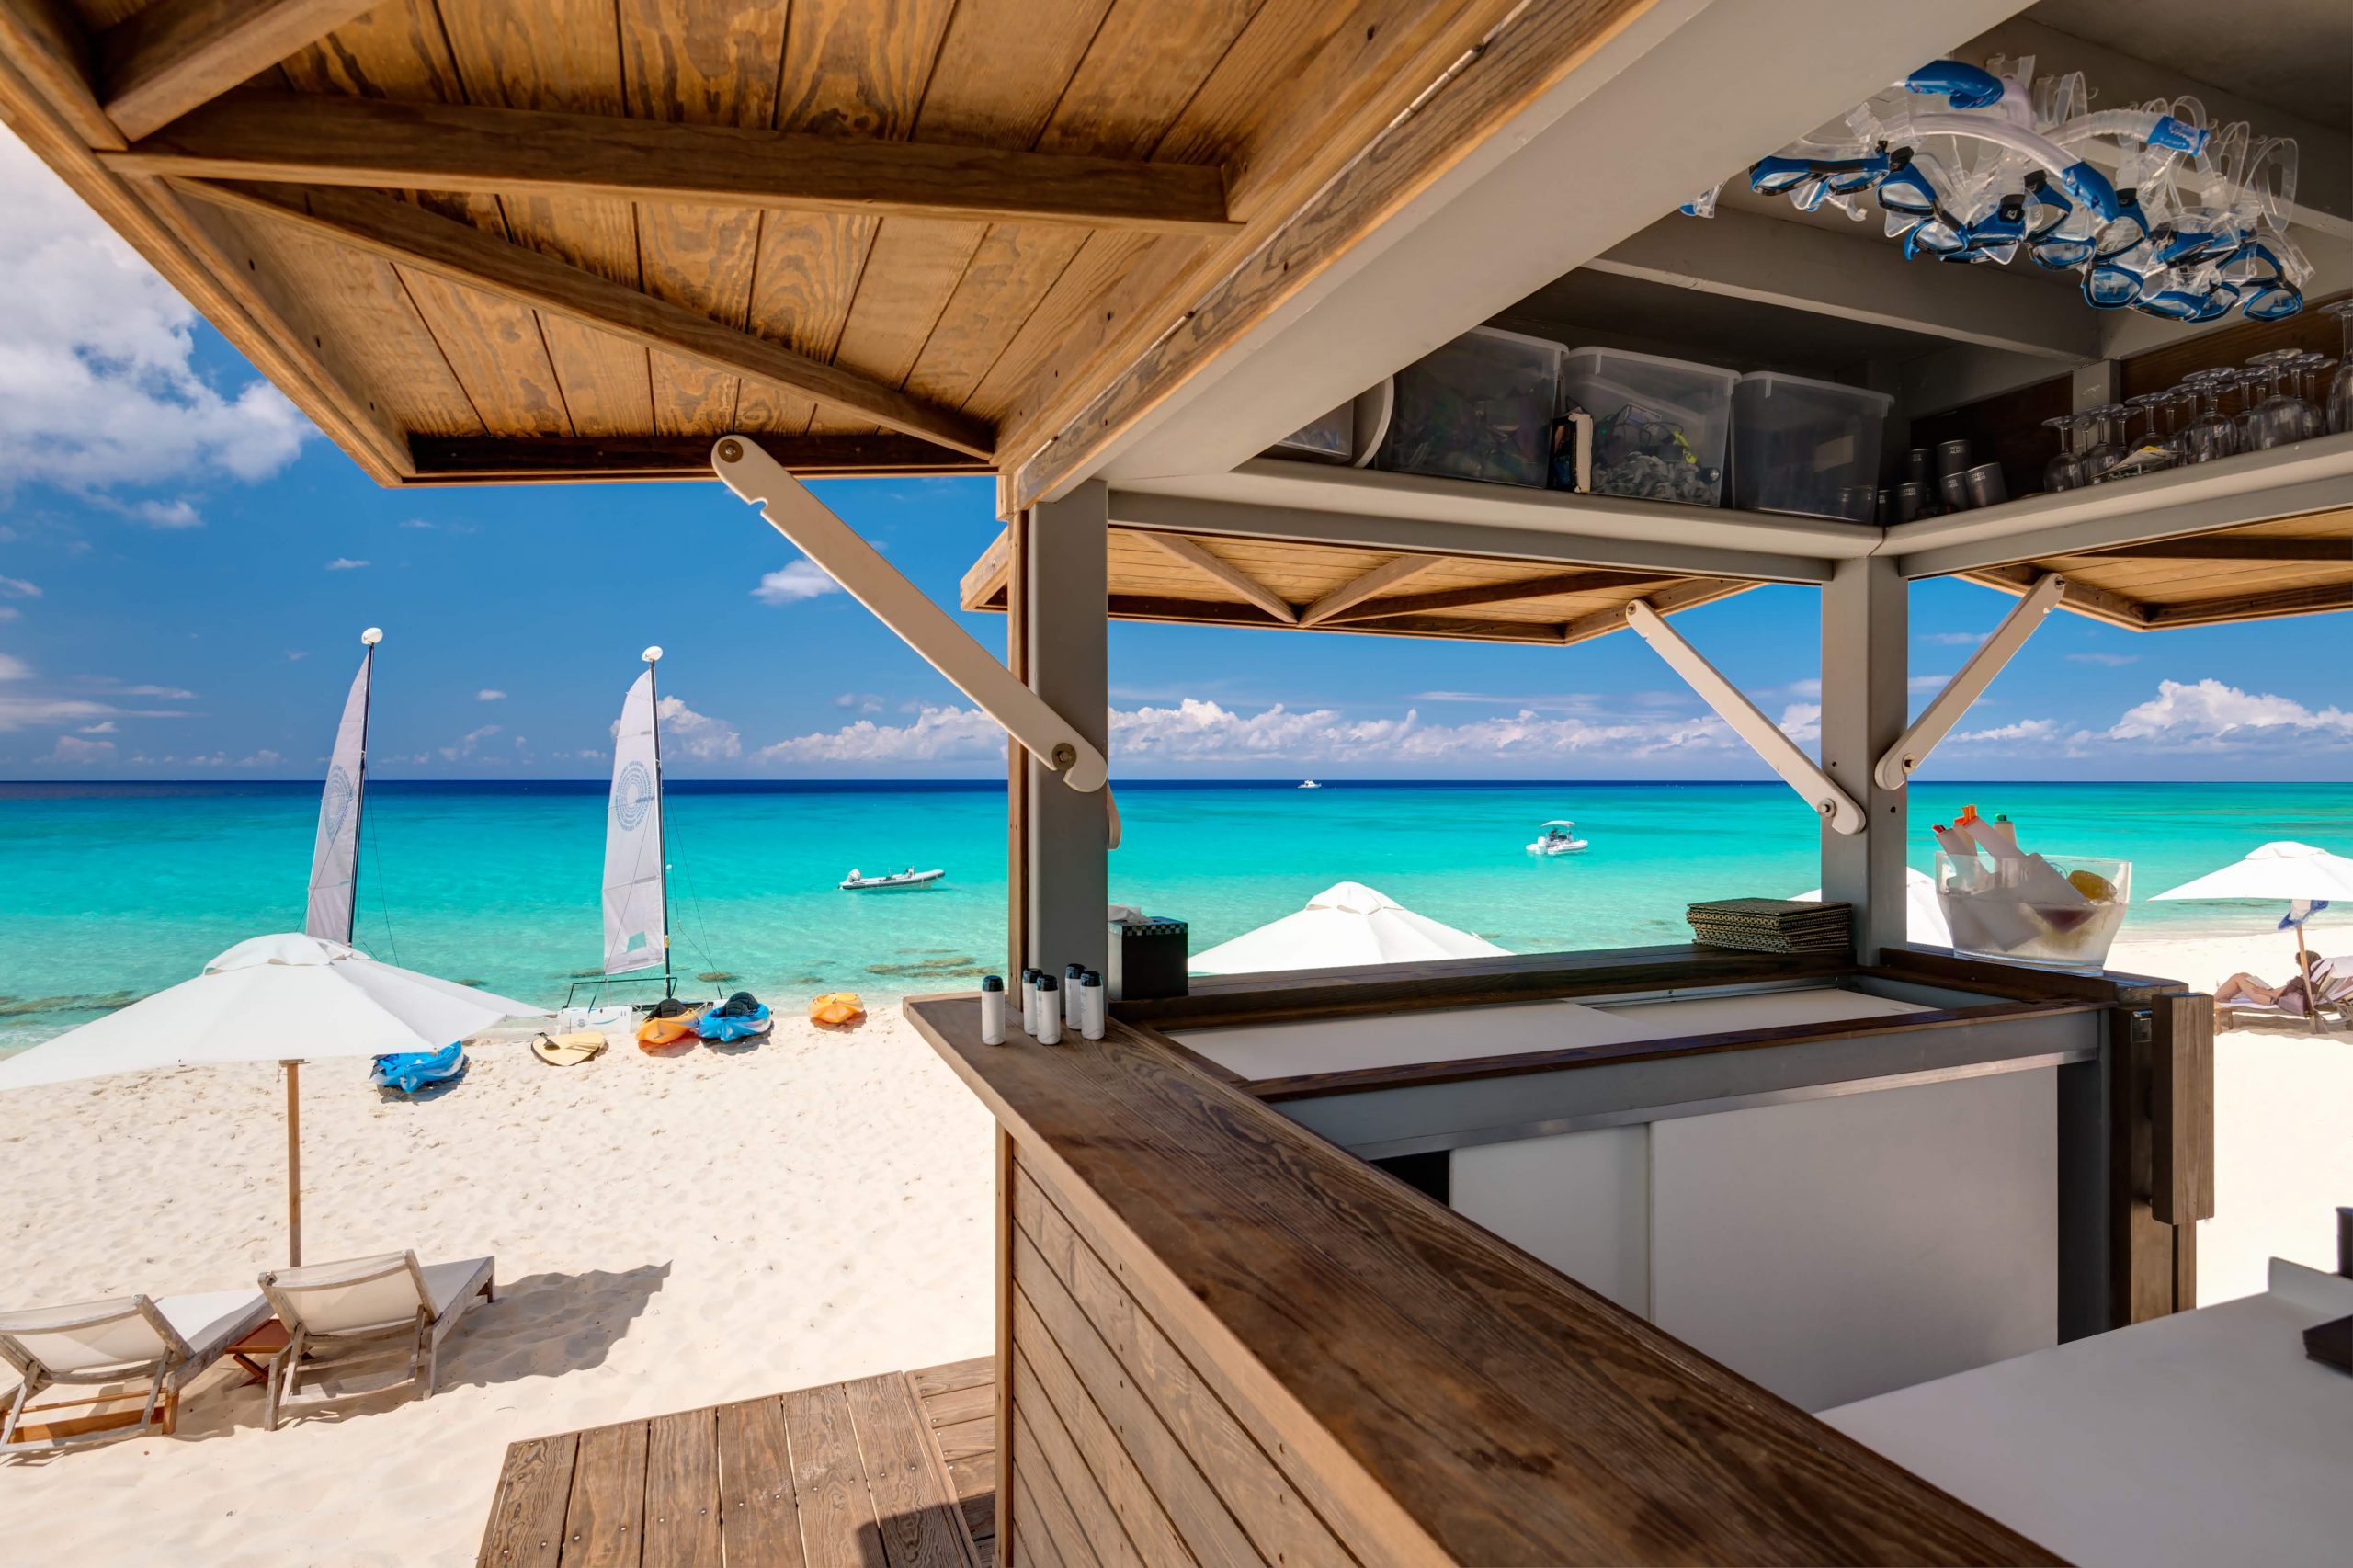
(1163, 576)
(2262, 571)
(528, 240)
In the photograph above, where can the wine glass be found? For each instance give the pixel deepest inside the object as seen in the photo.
(2247, 387)
(2279, 417)
(2064, 471)
(2340, 391)
(2214, 434)
(2150, 450)
(2103, 453)
(2310, 367)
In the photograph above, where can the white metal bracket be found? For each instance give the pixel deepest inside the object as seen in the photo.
(760, 480)
(1782, 754)
(1937, 719)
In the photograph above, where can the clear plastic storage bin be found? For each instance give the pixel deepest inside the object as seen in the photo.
(1806, 446)
(1481, 408)
(1658, 425)
(1330, 439)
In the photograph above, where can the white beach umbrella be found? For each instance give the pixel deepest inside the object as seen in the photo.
(1924, 913)
(2299, 875)
(1346, 924)
(286, 998)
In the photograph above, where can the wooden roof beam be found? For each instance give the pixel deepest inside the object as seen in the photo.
(2253, 607)
(305, 139)
(1381, 579)
(527, 460)
(2232, 547)
(412, 236)
(163, 62)
(1501, 593)
(1689, 594)
(1223, 571)
(2098, 604)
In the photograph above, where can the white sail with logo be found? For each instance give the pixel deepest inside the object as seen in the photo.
(636, 904)
(334, 855)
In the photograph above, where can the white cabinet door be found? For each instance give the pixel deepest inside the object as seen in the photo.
(1580, 1201)
(1833, 1249)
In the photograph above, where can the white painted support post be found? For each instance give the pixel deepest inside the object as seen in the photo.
(1065, 611)
(1838, 811)
(1944, 711)
(1865, 649)
(1071, 748)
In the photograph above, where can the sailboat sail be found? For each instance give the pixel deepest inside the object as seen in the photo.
(636, 918)
(334, 855)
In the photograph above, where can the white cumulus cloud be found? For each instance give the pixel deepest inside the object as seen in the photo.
(99, 386)
(697, 735)
(345, 563)
(168, 514)
(790, 585)
(69, 749)
(18, 588)
(2209, 714)
(490, 694)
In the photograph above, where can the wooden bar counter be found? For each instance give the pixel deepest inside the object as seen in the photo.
(1224, 1337)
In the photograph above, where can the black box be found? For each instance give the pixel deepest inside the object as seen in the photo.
(1147, 960)
(2332, 1343)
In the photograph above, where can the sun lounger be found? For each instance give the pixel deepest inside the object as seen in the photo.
(156, 1345)
(2332, 999)
(365, 1326)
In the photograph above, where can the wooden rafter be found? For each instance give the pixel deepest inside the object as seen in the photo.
(163, 62)
(1380, 580)
(2230, 547)
(1182, 549)
(1583, 581)
(2098, 604)
(2254, 607)
(1689, 594)
(449, 248)
(519, 460)
(46, 42)
(305, 139)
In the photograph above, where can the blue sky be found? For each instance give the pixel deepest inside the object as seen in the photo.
(185, 567)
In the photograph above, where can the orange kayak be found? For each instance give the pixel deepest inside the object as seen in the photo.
(836, 1008)
(666, 1031)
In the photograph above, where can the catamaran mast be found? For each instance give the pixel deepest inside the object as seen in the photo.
(653, 657)
(368, 640)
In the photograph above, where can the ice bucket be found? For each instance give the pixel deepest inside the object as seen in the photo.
(2048, 911)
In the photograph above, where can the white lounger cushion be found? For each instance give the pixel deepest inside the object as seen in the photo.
(373, 1292)
(94, 1334)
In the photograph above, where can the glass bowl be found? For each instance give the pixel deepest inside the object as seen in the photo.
(2047, 911)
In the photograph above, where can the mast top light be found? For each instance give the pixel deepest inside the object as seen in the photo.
(372, 636)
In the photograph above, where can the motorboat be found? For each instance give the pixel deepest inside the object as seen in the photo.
(1309, 784)
(858, 882)
(1557, 837)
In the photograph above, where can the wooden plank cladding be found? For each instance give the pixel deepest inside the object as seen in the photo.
(1232, 1342)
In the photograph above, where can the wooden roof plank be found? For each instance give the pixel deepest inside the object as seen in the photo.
(498, 459)
(421, 240)
(2228, 546)
(311, 138)
(2314, 600)
(1226, 572)
(561, 56)
(161, 61)
(2085, 599)
(699, 63)
(47, 42)
(1690, 594)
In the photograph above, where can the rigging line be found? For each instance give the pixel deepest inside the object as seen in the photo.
(383, 903)
(702, 936)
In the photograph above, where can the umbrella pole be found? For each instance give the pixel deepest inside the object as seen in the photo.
(294, 1163)
(2304, 963)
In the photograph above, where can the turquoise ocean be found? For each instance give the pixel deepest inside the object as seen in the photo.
(109, 892)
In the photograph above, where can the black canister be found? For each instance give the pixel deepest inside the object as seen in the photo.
(1147, 959)
(1952, 457)
(1917, 469)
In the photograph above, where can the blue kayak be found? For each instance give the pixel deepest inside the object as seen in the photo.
(409, 1071)
(722, 1027)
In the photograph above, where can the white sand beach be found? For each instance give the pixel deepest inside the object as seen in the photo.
(672, 1234)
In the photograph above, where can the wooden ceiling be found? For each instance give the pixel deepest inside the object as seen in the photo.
(1205, 581)
(545, 239)
(2262, 571)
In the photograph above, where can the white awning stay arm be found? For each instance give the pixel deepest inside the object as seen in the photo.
(1937, 719)
(1782, 754)
(760, 480)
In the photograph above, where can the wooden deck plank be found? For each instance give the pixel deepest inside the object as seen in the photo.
(966, 1438)
(526, 1528)
(932, 1381)
(912, 1504)
(959, 1405)
(682, 1490)
(837, 1524)
(758, 1518)
(605, 1525)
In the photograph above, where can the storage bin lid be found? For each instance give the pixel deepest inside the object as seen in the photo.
(1519, 339)
(1767, 382)
(1685, 366)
